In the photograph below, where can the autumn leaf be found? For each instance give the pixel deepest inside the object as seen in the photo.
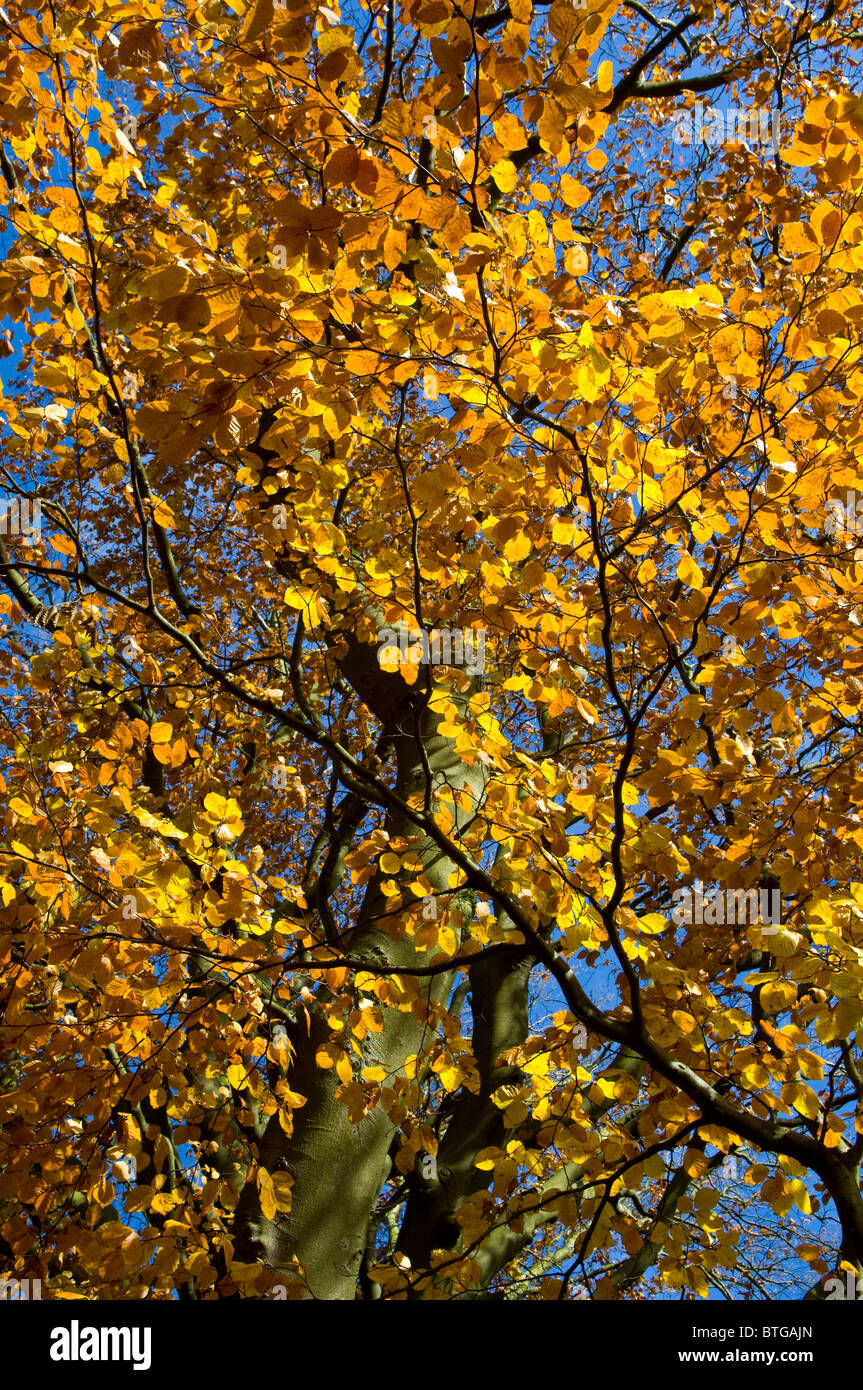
(525, 960)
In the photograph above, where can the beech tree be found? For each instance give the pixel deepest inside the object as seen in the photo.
(431, 464)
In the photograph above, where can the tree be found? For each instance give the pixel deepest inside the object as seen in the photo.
(433, 658)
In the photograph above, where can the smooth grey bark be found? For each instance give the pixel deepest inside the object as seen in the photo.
(499, 1004)
(339, 1167)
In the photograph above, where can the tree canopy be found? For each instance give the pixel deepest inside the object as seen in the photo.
(432, 654)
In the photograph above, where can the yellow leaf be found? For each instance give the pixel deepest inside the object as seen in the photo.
(163, 516)
(282, 1184)
(775, 998)
(192, 312)
(138, 1200)
(573, 193)
(806, 1102)
(605, 76)
(505, 175)
(450, 1078)
(307, 602)
(685, 1022)
(587, 386)
(688, 572)
(64, 545)
(166, 283)
(269, 1206)
(164, 1202)
(518, 548)
(798, 239)
(586, 710)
